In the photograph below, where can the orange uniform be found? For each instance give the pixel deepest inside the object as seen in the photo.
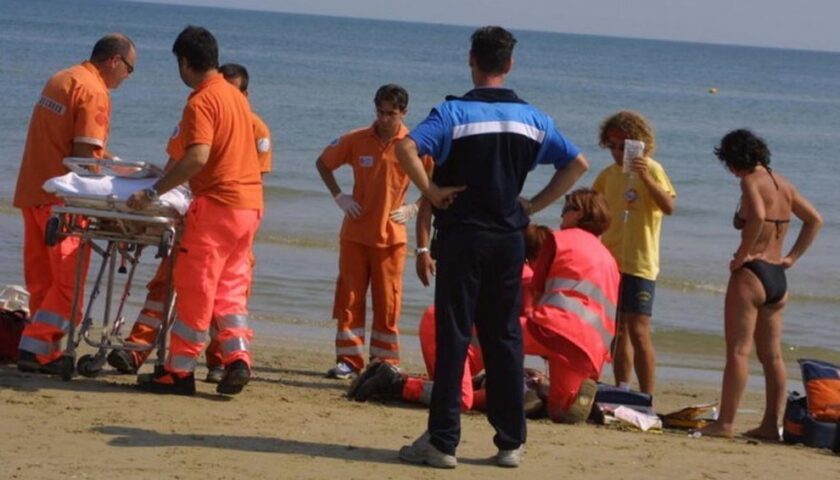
(212, 271)
(262, 135)
(373, 247)
(74, 107)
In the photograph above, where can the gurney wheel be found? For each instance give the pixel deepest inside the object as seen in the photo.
(167, 238)
(51, 234)
(87, 366)
(67, 368)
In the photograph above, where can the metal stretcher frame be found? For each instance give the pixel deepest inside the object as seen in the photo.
(126, 234)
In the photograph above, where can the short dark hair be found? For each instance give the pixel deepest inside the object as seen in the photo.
(392, 93)
(198, 47)
(110, 45)
(232, 71)
(743, 150)
(492, 48)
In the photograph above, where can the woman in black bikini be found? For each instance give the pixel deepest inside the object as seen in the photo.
(757, 290)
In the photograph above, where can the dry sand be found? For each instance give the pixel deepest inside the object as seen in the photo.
(292, 423)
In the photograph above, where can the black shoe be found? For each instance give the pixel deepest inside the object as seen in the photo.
(386, 382)
(28, 363)
(166, 383)
(236, 376)
(362, 378)
(123, 361)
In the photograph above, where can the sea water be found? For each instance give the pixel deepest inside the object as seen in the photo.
(314, 77)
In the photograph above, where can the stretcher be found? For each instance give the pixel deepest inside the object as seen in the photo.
(94, 209)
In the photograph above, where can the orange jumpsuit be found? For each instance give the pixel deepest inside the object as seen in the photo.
(372, 247)
(213, 269)
(74, 107)
(150, 318)
(572, 321)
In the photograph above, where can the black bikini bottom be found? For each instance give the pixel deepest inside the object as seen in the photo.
(772, 278)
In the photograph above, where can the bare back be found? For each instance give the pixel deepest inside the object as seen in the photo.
(768, 197)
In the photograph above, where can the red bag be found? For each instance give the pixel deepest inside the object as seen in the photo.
(11, 328)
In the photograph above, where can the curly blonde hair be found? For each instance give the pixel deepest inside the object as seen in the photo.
(632, 124)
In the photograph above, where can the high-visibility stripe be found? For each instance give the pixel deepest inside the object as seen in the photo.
(232, 321)
(382, 353)
(148, 320)
(154, 306)
(232, 345)
(53, 319)
(501, 126)
(557, 299)
(39, 347)
(584, 287)
(182, 363)
(352, 350)
(89, 140)
(354, 334)
(384, 337)
(188, 334)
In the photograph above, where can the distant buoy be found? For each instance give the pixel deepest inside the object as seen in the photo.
(713, 90)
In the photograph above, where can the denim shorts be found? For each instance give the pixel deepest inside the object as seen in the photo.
(636, 295)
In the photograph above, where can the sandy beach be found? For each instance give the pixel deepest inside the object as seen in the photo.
(290, 422)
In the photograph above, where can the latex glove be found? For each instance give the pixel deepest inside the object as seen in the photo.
(404, 213)
(348, 205)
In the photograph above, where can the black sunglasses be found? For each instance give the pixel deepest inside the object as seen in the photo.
(128, 66)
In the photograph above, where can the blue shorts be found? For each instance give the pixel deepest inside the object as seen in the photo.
(636, 295)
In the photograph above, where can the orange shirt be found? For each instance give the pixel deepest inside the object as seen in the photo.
(74, 106)
(264, 146)
(379, 185)
(217, 114)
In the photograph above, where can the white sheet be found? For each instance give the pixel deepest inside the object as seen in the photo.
(121, 188)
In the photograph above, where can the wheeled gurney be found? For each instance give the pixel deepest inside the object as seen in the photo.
(94, 196)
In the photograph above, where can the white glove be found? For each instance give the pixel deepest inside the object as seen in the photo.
(348, 205)
(404, 213)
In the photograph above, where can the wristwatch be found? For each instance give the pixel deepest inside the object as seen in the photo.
(151, 193)
(421, 250)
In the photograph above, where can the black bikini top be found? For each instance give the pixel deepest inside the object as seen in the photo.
(738, 221)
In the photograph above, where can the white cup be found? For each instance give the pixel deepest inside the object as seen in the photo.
(632, 149)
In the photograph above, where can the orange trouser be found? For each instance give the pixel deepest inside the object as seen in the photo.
(382, 268)
(50, 275)
(472, 366)
(568, 365)
(150, 319)
(212, 277)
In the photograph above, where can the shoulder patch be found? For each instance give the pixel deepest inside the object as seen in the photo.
(176, 131)
(263, 144)
(335, 142)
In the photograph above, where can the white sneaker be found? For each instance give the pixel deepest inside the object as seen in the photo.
(422, 451)
(510, 458)
(341, 371)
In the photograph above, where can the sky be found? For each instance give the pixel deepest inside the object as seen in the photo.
(798, 24)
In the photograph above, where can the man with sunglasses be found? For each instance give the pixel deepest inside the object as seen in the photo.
(70, 119)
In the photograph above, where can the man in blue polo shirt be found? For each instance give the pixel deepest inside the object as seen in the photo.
(484, 143)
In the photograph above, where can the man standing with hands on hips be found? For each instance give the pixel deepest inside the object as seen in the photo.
(484, 144)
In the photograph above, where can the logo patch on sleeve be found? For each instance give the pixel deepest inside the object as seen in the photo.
(263, 145)
(366, 161)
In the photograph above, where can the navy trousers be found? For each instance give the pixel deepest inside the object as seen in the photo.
(479, 277)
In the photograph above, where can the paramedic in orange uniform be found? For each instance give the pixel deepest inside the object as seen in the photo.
(70, 119)
(213, 149)
(150, 318)
(373, 237)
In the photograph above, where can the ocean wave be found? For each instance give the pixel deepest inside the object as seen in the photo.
(274, 238)
(703, 286)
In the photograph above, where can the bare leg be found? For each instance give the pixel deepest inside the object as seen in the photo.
(644, 356)
(743, 293)
(623, 356)
(768, 345)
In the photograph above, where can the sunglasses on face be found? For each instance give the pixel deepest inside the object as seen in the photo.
(128, 66)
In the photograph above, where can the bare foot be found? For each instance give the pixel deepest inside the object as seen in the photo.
(764, 433)
(717, 430)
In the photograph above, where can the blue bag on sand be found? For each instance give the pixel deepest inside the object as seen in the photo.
(612, 394)
(796, 410)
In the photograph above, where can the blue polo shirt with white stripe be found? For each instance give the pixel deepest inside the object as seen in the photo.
(488, 140)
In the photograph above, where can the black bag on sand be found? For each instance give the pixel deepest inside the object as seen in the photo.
(11, 328)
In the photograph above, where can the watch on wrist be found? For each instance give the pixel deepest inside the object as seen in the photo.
(151, 193)
(421, 250)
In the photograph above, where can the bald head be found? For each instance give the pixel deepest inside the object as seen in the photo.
(110, 45)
